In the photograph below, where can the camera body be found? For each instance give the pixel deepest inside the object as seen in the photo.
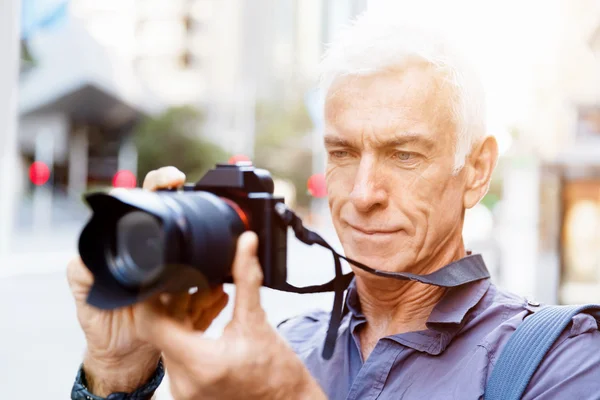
(251, 190)
(138, 243)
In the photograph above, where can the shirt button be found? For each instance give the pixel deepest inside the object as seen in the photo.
(533, 303)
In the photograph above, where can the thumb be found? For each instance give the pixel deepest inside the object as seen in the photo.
(247, 276)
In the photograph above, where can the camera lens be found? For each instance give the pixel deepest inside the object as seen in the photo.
(139, 250)
(140, 242)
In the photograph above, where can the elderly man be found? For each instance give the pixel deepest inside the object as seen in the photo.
(407, 155)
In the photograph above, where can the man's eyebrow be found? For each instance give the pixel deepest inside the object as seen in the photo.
(407, 138)
(336, 141)
(396, 141)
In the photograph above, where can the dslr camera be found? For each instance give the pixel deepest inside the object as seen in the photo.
(138, 243)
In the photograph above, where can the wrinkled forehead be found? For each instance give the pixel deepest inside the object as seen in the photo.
(416, 98)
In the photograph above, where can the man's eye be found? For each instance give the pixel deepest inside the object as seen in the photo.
(338, 154)
(404, 156)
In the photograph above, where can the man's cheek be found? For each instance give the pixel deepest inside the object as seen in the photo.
(339, 183)
(423, 185)
(416, 195)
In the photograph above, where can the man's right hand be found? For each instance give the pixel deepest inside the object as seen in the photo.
(117, 360)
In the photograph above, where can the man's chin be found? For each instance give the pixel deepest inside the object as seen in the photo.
(399, 262)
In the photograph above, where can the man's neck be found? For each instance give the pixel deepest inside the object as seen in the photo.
(394, 306)
(402, 309)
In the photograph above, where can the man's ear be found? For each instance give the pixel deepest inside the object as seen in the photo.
(480, 166)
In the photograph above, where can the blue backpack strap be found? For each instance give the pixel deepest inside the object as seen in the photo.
(526, 348)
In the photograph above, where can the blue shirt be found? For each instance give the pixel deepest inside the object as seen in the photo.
(452, 358)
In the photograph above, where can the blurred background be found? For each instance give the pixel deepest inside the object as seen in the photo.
(94, 94)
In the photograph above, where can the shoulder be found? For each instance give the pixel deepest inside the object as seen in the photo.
(504, 313)
(514, 310)
(497, 317)
(572, 365)
(576, 341)
(305, 332)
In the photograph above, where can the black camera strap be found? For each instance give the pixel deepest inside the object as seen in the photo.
(471, 269)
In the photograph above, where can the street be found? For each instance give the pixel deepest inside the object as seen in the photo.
(42, 345)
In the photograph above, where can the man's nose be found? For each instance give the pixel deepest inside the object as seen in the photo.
(368, 192)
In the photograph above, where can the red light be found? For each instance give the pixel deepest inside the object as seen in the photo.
(238, 158)
(39, 173)
(124, 179)
(317, 186)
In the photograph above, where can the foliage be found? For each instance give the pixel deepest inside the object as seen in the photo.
(278, 122)
(27, 61)
(26, 56)
(281, 145)
(494, 194)
(174, 138)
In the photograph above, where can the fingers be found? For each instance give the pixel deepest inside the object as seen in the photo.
(205, 318)
(168, 316)
(79, 277)
(177, 305)
(204, 300)
(155, 326)
(164, 178)
(78, 273)
(248, 277)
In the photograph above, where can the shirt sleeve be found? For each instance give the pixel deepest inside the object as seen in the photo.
(571, 369)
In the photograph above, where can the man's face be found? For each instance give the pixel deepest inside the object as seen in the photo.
(390, 139)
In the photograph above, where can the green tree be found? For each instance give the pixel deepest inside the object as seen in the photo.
(277, 123)
(282, 143)
(174, 138)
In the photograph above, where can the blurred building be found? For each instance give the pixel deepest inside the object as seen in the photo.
(164, 41)
(115, 61)
(9, 70)
(569, 175)
(221, 55)
(77, 108)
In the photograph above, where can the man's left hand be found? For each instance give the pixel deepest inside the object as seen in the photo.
(250, 360)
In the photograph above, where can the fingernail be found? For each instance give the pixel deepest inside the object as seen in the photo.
(250, 236)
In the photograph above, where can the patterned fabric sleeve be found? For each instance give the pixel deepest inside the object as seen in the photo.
(80, 391)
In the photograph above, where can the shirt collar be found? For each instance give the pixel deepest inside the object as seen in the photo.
(444, 322)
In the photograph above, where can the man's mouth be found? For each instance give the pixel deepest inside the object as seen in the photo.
(374, 231)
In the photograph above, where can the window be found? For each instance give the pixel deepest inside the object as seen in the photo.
(581, 232)
(588, 123)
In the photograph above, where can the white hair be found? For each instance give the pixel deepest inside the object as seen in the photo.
(372, 43)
